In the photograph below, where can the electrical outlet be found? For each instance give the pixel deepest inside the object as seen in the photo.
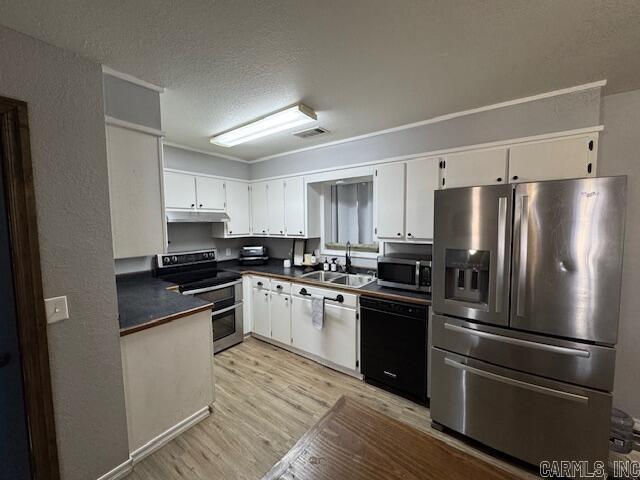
(56, 309)
(227, 252)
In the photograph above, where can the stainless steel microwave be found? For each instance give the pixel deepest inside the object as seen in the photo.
(405, 271)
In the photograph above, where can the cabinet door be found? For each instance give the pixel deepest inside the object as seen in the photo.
(259, 210)
(260, 311)
(303, 335)
(554, 159)
(135, 186)
(210, 193)
(275, 200)
(281, 317)
(294, 206)
(179, 190)
(390, 191)
(338, 336)
(422, 180)
(474, 168)
(238, 206)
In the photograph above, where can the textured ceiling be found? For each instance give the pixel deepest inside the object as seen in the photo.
(363, 65)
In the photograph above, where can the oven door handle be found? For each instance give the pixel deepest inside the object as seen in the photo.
(225, 310)
(211, 289)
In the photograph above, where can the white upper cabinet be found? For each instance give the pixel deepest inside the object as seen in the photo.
(390, 194)
(275, 200)
(135, 188)
(422, 182)
(475, 167)
(294, 206)
(210, 193)
(259, 210)
(238, 208)
(179, 190)
(184, 191)
(553, 159)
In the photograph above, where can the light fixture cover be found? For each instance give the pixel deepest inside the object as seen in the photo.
(276, 122)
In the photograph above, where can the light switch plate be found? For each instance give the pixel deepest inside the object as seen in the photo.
(56, 309)
(228, 252)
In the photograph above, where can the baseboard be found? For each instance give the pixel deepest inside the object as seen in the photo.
(168, 435)
(119, 472)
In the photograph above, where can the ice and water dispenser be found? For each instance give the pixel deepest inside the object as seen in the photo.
(467, 275)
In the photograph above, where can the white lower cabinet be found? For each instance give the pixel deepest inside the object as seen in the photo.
(260, 311)
(280, 310)
(336, 342)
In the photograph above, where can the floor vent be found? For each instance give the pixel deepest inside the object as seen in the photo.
(312, 132)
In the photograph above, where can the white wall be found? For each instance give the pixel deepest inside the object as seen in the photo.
(554, 114)
(66, 118)
(619, 155)
(190, 161)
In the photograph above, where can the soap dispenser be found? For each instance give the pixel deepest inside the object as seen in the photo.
(325, 265)
(334, 265)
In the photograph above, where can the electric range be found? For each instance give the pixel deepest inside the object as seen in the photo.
(196, 273)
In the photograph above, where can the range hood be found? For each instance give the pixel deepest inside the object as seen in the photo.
(196, 217)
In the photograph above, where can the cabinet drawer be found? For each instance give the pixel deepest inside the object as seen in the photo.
(563, 360)
(349, 300)
(526, 416)
(281, 287)
(261, 283)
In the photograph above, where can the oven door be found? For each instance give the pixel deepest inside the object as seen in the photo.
(227, 327)
(398, 273)
(226, 317)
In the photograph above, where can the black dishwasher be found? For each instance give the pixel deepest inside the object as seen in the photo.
(394, 346)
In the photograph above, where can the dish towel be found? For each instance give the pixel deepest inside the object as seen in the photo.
(317, 311)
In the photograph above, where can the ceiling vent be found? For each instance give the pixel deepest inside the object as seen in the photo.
(311, 132)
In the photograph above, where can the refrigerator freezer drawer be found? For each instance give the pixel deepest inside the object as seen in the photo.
(573, 362)
(528, 417)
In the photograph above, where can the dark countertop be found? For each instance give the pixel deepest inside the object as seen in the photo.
(275, 268)
(144, 301)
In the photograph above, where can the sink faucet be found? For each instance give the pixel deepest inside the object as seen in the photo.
(347, 258)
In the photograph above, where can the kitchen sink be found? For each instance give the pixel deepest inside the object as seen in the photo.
(348, 279)
(354, 280)
(323, 276)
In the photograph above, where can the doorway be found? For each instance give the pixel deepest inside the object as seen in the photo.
(27, 432)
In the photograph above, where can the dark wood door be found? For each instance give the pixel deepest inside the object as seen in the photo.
(26, 405)
(14, 440)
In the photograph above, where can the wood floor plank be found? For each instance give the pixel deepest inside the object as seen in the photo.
(266, 399)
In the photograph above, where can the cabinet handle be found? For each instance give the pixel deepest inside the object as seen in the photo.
(264, 231)
(230, 232)
(259, 284)
(408, 234)
(200, 206)
(281, 232)
(515, 177)
(279, 287)
(193, 205)
(399, 234)
(300, 232)
(499, 179)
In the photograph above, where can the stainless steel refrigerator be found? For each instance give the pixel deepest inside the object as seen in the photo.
(526, 296)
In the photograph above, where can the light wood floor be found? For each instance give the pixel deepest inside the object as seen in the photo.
(266, 398)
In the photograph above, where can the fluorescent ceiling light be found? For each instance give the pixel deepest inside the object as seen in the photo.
(276, 122)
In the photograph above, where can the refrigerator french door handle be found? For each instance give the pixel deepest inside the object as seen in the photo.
(574, 352)
(522, 256)
(502, 233)
(517, 383)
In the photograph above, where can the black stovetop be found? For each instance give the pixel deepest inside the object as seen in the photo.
(194, 278)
